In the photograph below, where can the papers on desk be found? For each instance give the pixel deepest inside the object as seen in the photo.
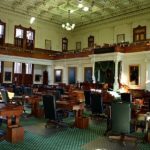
(115, 94)
(10, 95)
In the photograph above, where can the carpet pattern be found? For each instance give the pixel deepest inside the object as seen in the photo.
(69, 139)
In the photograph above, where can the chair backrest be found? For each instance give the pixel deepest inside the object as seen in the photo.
(126, 97)
(18, 91)
(28, 91)
(121, 117)
(96, 103)
(49, 103)
(87, 95)
(4, 94)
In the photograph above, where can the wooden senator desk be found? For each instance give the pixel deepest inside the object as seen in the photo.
(34, 101)
(68, 105)
(14, 133)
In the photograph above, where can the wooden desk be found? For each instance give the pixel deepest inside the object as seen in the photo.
(14, 133)
(9, 111)
(78, 108)
(34, 101)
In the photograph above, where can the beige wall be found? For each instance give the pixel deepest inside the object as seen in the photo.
(103, 33)
(43, 30)
(107, 32)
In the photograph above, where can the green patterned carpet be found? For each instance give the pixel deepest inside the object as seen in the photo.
(65, 139)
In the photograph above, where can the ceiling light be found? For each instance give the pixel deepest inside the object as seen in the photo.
(68, 25)
(71, 11)
(32, 19)
(80, 5)
(86, 8)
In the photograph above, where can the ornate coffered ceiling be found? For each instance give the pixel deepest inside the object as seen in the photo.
(56, 11)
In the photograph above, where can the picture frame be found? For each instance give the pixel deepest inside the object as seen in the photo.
(120, 38)
(37, 77)
(88, 74)
(72, 75)
(78, 45)
(134, 74)
(7, 76)
(48, 44)
(58, 75)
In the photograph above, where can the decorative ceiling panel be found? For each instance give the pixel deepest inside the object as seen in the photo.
(56, 11)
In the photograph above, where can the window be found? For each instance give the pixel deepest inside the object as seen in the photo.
(28, 68)
(139, 33)
(24, 37)
(17, 67)
(64, 44)
(19, 33)
(2, 32)
(30, 38)
(91, 41)
(0, 67)
(58, 75)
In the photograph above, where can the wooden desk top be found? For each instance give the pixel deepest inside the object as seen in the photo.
(11, 110)
(71, 105)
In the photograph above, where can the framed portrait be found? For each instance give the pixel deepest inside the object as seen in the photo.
(58, 75)
(37, 77)
(7, 76)
(134, 74)
(120, 38)
(48, 44)
(88, 74)
(72, 75)
(78, 45)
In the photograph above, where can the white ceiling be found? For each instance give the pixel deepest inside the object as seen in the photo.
(56, 11)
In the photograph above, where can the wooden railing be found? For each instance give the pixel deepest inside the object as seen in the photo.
(39, 53)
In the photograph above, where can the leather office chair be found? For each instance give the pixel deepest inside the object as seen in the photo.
(87, 95)
(97, 105)
(28, 91)
(53, 114)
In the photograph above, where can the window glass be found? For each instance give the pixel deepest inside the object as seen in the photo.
(29, 35)
(19, 33)
(17, 67)
(1, 29)
(28, 68)
(0, 66)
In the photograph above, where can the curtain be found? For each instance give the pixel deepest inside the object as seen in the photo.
(104, 71)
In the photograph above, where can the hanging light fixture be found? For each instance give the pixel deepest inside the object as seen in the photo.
(68, 25)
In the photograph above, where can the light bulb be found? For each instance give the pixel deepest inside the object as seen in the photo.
(63, 25)
(86, 8)
(80, 5)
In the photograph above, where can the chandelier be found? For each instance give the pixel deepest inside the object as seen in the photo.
(68, 25)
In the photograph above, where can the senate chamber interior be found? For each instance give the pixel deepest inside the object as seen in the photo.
(74, 74)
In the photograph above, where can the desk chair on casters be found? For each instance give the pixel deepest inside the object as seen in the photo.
(97, 105)
(53, 114)
(121, 122)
